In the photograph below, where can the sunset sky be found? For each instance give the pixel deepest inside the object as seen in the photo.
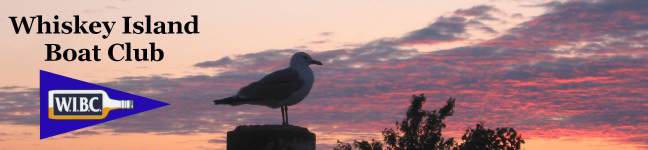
(565, 74)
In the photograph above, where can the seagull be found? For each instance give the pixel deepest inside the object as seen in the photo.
(282, 88)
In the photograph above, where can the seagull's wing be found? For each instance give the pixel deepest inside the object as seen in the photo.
(275, 86)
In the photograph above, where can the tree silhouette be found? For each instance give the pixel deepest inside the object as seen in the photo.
(363, 145)
(421, 130)
(498, 139)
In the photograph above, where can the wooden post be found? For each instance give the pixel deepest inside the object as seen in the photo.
(270, 137)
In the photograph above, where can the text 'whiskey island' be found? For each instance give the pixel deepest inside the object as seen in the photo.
(78, 26)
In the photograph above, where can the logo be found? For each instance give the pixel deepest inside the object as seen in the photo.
(83, 104)
(69, 104)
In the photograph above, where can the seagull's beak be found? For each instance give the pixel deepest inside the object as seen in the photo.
(315, 62)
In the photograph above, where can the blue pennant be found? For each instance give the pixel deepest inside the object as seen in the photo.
(52, 85)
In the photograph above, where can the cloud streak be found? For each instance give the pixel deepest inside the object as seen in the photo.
(453, 27)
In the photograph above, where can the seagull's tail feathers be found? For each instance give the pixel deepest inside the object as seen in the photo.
(234, 100)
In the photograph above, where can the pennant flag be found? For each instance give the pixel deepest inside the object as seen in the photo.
(68, 104)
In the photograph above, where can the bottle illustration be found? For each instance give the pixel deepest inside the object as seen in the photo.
(82, 104)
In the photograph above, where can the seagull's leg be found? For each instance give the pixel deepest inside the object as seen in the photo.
(283, 114)
(286, 115)
(285, 109)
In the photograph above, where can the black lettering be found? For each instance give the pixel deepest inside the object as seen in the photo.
(155, 51)
(66, 27)
(77, 104)
(23, 23)
(194, 23)
(56, 24)
(80, 25)
(42, 24)
(71, 52)
(126, 24)
(159, 28)
(93, 27)
(111, 52)
(53, 49)
(175, 25)
(108, 28)
(95, 50)
(148, 24)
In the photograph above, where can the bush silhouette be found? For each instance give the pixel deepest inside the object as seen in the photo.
(362, 145)
(422, 130)
(498, 139)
